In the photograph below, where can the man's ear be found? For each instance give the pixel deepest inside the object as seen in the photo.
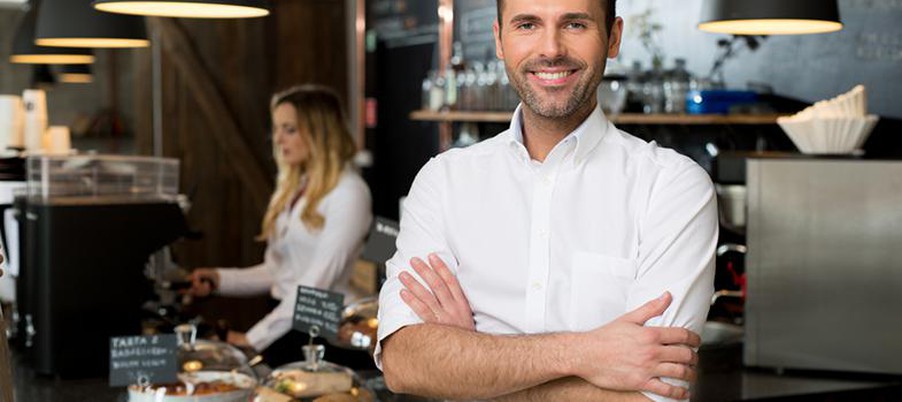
(614, 38)
(499, 51)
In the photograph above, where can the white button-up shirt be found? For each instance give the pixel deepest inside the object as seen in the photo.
(606, 223)
(296, 255)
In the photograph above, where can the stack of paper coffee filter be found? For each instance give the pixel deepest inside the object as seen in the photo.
(836, 126)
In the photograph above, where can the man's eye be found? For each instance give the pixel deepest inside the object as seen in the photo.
(576, 25)
(526, 26)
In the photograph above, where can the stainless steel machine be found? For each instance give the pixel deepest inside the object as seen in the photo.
(823, 265)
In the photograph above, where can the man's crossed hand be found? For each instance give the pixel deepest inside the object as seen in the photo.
(622, 355)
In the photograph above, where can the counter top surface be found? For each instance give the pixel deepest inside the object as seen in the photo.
(721, 378)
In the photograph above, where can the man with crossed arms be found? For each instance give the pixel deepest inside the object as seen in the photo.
(565, 259)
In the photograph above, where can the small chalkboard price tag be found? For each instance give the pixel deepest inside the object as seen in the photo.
(319, 309)
(143, 360)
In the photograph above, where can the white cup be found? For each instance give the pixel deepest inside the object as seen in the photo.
(58, 140)
(35, 101)
(12, 122)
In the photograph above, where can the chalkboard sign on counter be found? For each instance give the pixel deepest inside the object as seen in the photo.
(320, 309)
(143, 360)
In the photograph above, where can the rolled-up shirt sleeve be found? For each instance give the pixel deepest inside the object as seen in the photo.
(678, 237)
(422, 232)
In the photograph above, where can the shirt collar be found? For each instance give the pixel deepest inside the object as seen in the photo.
(588, 135)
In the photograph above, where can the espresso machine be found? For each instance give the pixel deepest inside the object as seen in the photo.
(88, 225)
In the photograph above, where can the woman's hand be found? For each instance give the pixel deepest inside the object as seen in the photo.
(203, 282)
(238, 339)
(443, 302)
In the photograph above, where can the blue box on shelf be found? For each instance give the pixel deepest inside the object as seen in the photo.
(717, 101)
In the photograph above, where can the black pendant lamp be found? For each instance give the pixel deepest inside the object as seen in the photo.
(76, 74)
(186, 8)
(24, 51)
(770, 17)
(75, 23)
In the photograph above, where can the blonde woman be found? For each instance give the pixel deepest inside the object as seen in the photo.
(315, 225)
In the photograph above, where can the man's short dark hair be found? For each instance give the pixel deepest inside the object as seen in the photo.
(610, 12)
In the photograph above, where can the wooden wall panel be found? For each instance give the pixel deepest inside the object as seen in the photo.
(303, 41)
(311, 44)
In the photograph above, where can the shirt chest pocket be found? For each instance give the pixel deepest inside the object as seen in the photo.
(599, 288)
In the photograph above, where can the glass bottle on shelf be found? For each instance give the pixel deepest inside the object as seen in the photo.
(437, 92)
(461, 90)
(653, 92)
(455, 74)
(457, 59)
(634, 84)
(450, 89)
(491, 98)
(469, 90)
(676, 86)
(480, 90)
(426, 92)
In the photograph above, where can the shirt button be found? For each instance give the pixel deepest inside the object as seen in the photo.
(543, 233)
(536, 285)
(546, 180)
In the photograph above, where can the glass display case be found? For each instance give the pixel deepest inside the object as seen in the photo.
(101, 179)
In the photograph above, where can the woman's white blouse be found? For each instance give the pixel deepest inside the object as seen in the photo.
(296, 256)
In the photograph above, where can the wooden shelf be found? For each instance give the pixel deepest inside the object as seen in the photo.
(625, 118)
(479, 117)
(696, 119)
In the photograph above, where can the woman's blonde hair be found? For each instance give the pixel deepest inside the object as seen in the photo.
(321, 122)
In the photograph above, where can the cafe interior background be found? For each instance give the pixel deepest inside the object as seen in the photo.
(812, 232)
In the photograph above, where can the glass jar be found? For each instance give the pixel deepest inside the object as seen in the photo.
(208, 372)
(313, 380)
(612, 94)
(676, 86)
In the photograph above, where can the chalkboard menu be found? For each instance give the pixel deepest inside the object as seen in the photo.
(380, 244)
(143, 360)
(318, 310)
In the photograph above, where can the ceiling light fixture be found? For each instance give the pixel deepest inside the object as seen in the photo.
(186, 8)
(75, 23)
(770, 17)
(24, 51)
(76, 74)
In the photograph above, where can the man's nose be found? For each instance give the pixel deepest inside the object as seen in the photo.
(552, 47)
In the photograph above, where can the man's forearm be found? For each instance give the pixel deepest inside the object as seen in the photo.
(447, 362)
(570, 389)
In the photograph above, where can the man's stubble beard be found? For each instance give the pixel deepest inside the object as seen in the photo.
(583, 93)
